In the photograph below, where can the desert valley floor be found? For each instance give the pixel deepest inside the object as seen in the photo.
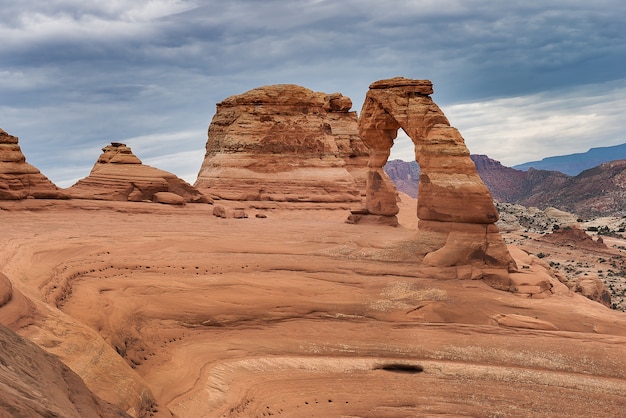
(170, 311)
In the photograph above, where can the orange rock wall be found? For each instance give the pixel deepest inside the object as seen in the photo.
(284, 143)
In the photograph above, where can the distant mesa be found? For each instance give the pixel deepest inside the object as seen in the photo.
(284, 143)
(20, 180)
(119, 175)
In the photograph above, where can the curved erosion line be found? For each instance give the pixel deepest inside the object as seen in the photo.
(214, 392)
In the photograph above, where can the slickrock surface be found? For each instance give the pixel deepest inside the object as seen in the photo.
(284, 143)
(299, 314)
(456, 210)
(32, 311)
(34, 383)
(119, 175)
(18, 179)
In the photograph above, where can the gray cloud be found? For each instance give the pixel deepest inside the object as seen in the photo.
(76, 75)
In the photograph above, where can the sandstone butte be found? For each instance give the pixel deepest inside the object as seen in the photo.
(170, 311)
(119, 175)
(18, 179)
(284, 143)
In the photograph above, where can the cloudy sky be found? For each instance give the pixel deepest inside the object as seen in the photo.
(521, 80)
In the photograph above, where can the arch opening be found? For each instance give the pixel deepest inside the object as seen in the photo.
(402, 167)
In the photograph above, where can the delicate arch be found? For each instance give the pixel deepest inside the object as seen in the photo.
(455, 209)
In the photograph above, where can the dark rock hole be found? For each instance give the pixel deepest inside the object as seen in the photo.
(401, 368)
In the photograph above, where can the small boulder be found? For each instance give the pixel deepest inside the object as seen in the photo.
(219, 211)
(222, 212)
(238, 213)
(6, 290)
(592, 288)
(168, 198)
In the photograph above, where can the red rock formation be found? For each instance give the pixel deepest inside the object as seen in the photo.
(280, 317)
(71, 342)
(574, 237)
(119, 175)
(592, 288)
(18, 179)
(34, 383)
(455, 209)
(284, 143)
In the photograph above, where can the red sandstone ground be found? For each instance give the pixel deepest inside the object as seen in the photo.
(297, 314)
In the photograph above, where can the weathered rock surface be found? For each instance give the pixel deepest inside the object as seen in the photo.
(6, 290)
(284, 143)
(518, 217)
(119, 175)
(34, 383)
(34, 316)
(456, 210)
(168, 198)
(592, 288)
(585, 250)
(20, 180)
(220, 211)
(304, 315)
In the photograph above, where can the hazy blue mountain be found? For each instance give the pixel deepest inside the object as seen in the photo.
(574, 164)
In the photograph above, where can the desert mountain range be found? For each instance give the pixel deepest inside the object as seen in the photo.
(292, 279)
(597, 191)
(573, 164)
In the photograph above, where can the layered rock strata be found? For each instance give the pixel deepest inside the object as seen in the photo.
(34, 383)
(120, 175)
(284, 143)
(455, 210)
(101, 369)
(18, 179)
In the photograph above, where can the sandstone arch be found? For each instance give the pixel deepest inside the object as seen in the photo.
(455, 209)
